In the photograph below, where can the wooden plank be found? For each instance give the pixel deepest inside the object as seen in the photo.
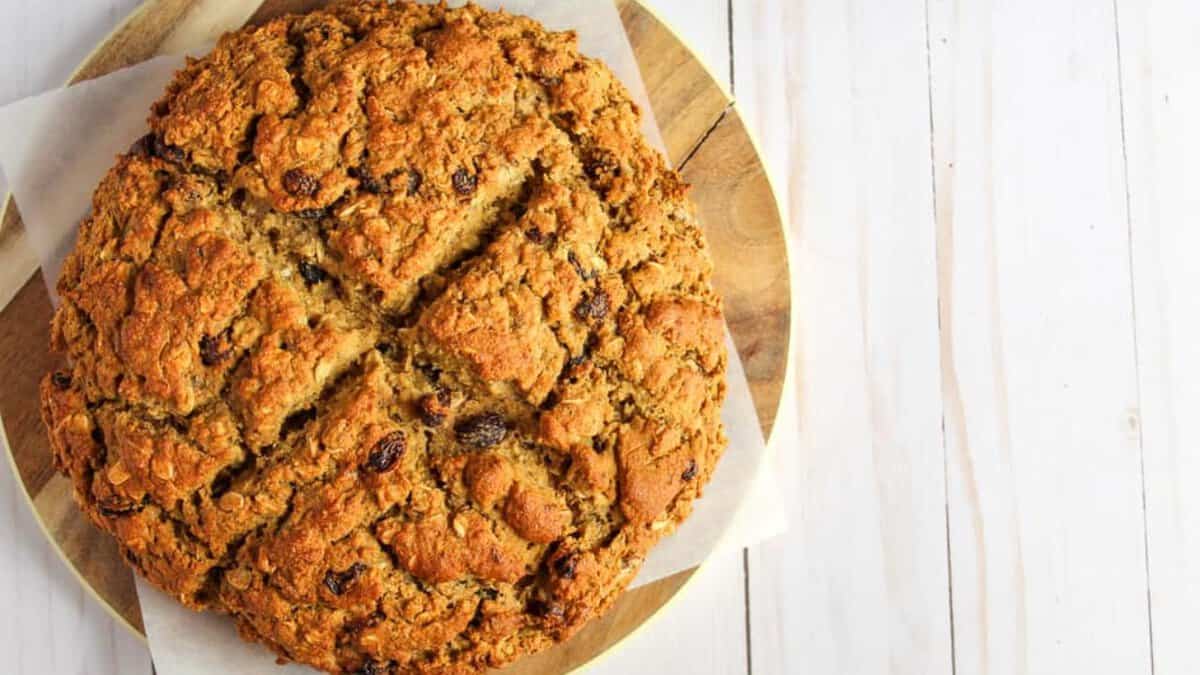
(859, 584)
(764, 80)
(1045, 517)
(1161, 101)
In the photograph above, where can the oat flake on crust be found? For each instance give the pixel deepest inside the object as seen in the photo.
(393, 340)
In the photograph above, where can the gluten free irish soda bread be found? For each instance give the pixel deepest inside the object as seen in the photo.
(393, 340)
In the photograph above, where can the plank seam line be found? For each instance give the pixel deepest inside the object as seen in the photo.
(945, 450)
(1137, 366)
(729, 27)
(745, 551)
(746, 595)
(704, 138)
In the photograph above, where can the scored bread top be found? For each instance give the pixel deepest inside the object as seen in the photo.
(393, 340)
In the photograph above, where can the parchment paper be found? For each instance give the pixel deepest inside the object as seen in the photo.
(55, 147)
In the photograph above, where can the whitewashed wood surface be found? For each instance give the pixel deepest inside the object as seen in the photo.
(993, 209)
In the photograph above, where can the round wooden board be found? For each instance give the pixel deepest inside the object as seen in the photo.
(705, 137)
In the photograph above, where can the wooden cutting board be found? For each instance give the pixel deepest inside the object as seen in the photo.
(705, 137)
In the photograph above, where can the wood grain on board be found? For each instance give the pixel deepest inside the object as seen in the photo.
(740, 218)
(736, 203)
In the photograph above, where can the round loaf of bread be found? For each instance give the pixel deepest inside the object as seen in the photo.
(393, 340)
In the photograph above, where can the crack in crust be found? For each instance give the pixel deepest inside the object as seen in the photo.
(393, 340)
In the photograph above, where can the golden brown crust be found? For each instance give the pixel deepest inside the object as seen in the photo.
(393, 340)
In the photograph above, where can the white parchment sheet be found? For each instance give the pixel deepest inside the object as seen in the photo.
(54, 148)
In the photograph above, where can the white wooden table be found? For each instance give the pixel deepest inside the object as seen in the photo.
(993, 209)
